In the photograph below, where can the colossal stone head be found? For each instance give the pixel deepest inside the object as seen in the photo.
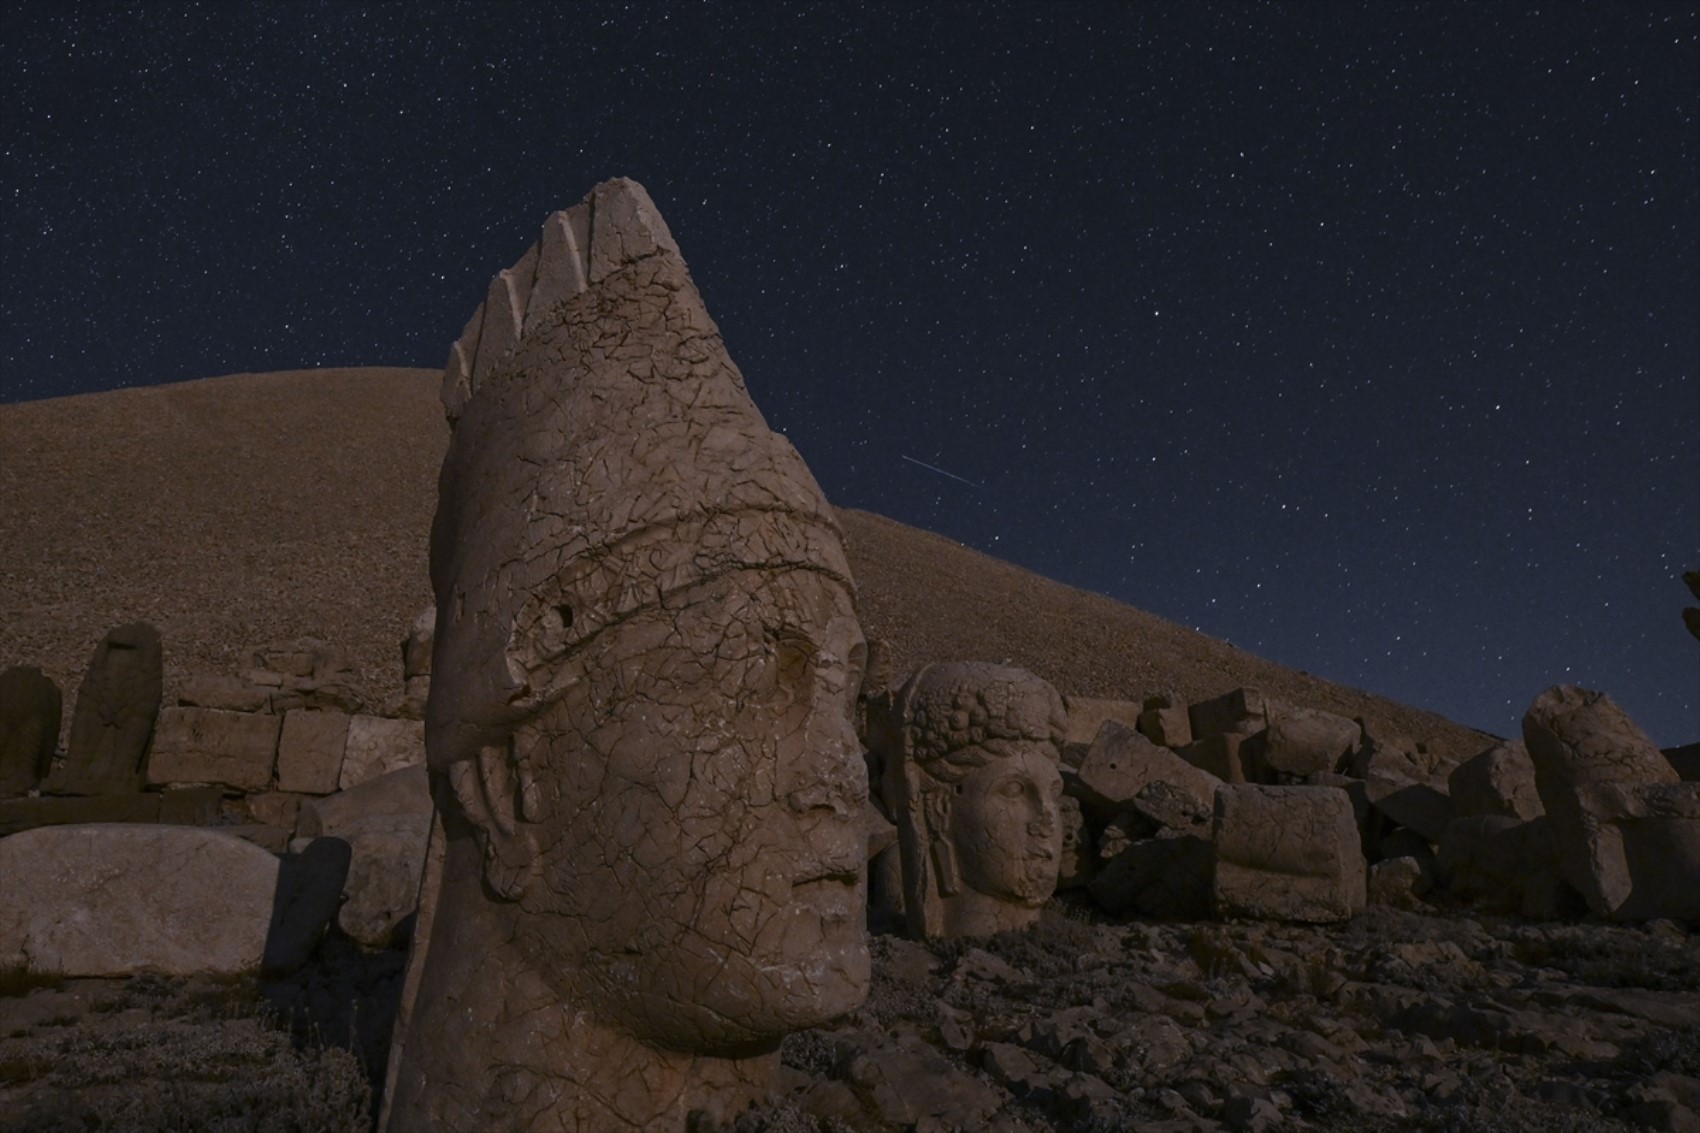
(641, 719)
(978, 794)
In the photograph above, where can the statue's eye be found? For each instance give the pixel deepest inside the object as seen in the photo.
(1012, 788)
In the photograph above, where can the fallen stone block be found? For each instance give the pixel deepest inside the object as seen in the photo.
(1405, 784)
(377, 746)
(1086, 715)
(1627, 828)
(1243, 710)
(1121, 762)
(211, 745)
(1306, 741)
(1503, 864)
(1166, 724)
(1232, 757)
(309, 751)
(31, 710)
(118, 900)
(1287, 853)
(386, 822)
(1499, 781)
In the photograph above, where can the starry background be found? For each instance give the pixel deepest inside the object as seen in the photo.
(1363, 336)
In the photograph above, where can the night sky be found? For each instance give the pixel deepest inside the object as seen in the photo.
(1363, 336)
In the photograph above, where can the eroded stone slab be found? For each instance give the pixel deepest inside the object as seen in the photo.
(377, 746)
(309, 751)
(114, 716)
(30, 714)
(117, 900)
(1287, 853)
(211, 745)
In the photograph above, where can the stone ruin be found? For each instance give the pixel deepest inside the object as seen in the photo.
(640, 729)
(649, 831)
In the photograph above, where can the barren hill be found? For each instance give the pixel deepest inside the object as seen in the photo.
(241, 510)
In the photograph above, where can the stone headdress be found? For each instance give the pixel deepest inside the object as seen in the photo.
(604, 454)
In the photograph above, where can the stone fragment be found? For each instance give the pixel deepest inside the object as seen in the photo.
(118, 900)
(17, 815)
(1232, 757)
(1121, 762)
(1078, 861)
(213, 690)
(416, 646)
(1499, 781)
(1243, 710)
(210, 745)
(1502, 864)
(1628, 829)
(1398, 883)
(1166, 877)
(30, 713)
(377, 746)
(385, 822)
(309, 751)
(1169, 725)
(1166, 807)
(275, 808)
(641, 717)
(1086, 715)
(309, 890)
(1287, 853)
(1405, 784)
(114, 717)
(1305, 741)
(976, 793)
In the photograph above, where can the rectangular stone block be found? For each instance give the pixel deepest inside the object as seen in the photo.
(1287, 853)
(1087, 714)
(1230, 756)
(309, 751)
(211, 745)
(1242, 710)
(1171, 726)
(377, 746)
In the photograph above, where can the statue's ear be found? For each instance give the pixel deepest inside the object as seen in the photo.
(935, 805)
(499, 795)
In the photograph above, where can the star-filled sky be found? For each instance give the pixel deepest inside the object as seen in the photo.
(1363, 336)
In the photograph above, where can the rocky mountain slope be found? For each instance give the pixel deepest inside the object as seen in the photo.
(236, 511)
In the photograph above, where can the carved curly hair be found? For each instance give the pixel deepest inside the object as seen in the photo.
(963, 714)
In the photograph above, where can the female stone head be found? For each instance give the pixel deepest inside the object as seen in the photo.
(981, 825)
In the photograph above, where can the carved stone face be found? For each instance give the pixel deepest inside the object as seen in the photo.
(700, 793)
(1007, 827)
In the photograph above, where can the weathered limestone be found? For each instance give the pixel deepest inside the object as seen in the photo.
(1628, 829)
(113, 900)
(976, 792)
(114, 717)
(309, 751)
(385, 822)
(377, 746)
(1499, 781)
(640, 726)
(1405, 784)
(1287, 853)
(1088, 714)
(211, 745)
(1164, 720)
(1121, 762)
(1241, 710)
(30, 713)
(1305, 741)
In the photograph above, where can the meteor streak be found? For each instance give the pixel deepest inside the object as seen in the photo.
(941, 471)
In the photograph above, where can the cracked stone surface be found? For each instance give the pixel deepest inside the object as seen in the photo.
(976, 794)
(117, 899)
(1627, 827)
(640, 724)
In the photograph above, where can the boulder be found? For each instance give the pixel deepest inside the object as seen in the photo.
(1307, 741)
(377, 746)
(117, 704)
(309, 751)
(386, 822)
(117, 900)
(30, 713)
(1121, 762)
(1503, 864)
(1499, 781)
(1627, 828)
(212, 745)
(1287, 853)
(1232, 757)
